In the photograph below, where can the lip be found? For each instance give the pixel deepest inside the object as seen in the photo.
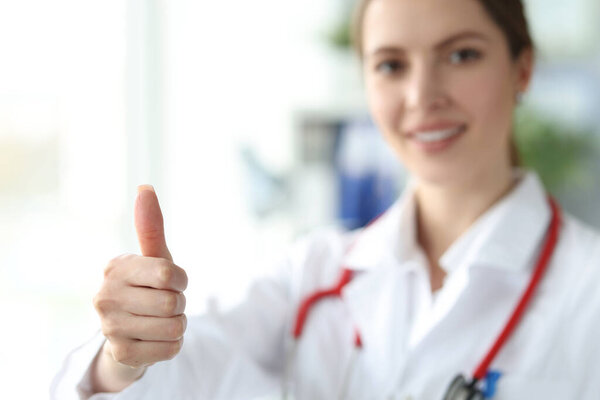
(436, 146)
(433, 126)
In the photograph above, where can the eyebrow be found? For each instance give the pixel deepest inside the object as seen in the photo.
(461, 36)
(444, 43)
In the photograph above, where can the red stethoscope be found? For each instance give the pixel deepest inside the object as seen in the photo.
(460, 388)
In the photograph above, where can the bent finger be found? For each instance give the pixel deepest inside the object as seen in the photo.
(157, 273)
(153, 302)
(138, 353)
(148, 328)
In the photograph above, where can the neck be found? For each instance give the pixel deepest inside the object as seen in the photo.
(444, 212)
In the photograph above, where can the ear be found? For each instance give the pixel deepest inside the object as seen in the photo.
(524, 66)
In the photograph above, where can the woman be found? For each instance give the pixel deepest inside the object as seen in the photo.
(431, 283)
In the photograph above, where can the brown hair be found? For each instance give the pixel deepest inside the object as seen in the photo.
(509, 15)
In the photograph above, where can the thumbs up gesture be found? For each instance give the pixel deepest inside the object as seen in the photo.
(140, 303)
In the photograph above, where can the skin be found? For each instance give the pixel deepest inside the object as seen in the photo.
(432, 61)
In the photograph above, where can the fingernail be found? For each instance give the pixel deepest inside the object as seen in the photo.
(141, 188)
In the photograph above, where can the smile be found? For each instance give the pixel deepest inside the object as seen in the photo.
(437, 135)
(435, 138)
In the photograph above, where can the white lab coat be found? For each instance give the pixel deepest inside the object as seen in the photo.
(414, 342)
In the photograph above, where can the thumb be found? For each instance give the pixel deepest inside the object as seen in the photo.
(149, 224)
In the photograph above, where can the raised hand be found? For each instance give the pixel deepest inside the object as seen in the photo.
(140, 303)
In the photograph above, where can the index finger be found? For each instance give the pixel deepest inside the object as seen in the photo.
(157, 273)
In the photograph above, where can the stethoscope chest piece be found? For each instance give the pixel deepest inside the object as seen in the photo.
(460, 389)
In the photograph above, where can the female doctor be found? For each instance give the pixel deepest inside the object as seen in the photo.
(473, 285)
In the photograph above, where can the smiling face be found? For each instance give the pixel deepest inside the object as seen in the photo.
(441, 86)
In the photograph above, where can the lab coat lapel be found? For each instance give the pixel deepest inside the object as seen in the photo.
(378, 298)
(509, 234)
(489, 270)
(492, 263)
(379, 306)
(463, 336)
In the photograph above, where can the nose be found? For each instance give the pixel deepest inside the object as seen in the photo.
(425, 89)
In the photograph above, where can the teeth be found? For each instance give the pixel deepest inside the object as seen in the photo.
(434, 136)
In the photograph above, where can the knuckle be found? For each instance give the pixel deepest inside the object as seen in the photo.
(176, 328)
(126, 256)
(185, 279)
(103, 304)
(109, 270)
(165, 272)
(174, 348)
(113, 265)
(183, 320)
(169, 305)
(123, 352)
(111, 328)
(183, 301)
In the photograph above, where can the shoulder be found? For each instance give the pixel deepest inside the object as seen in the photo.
(579, 244)
(322, 243)
(578, 256)
(576, 292)
(316, 257)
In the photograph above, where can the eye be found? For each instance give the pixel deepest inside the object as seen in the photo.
(390, 67)
(462, 56)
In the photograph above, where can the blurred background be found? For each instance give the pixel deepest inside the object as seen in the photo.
(249, 120)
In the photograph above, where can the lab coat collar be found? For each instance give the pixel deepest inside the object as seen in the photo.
(505, 236)
(390, 238)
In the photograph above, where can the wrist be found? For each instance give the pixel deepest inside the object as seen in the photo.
(110, 376)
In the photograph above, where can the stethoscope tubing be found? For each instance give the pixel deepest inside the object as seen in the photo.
(519, 311)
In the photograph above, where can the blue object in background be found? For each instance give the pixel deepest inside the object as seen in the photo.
(363, 198)
(369, 174)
